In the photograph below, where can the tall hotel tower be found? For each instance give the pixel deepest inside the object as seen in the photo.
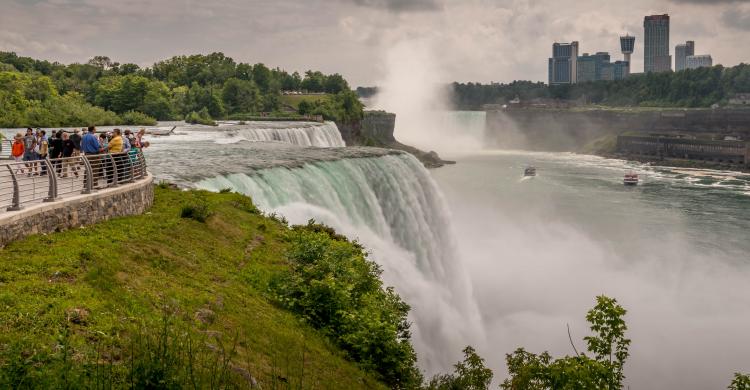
(656, 56)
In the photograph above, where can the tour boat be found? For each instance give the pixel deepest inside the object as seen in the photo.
(529, 171)
(630, 179)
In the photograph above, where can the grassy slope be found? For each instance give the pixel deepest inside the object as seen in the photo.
(127, 270)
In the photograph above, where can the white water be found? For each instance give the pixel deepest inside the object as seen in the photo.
(391, 204)
(324, 135)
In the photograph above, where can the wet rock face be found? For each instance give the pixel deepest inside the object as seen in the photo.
(376, 129)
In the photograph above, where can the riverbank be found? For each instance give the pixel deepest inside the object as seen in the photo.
(92, 303)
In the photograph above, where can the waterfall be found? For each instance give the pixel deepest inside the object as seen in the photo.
(322, 135)
(393, 207)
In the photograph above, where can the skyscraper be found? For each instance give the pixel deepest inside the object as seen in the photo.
(656, 56)
(563, 66)
(681, 53)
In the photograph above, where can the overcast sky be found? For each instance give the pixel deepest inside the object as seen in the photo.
(469, 40)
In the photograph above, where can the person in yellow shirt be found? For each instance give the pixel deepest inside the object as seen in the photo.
(115, 144)
(114, 166)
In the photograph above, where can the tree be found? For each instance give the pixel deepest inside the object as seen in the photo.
(740, 382)
(604, 370)
(469, 374)
(101, 62)
(241, 96)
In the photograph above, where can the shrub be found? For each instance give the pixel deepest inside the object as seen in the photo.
(740, 382)
(335, 288)
(604, 370)
(470, 373)
(137, 118)
(199, 211)
(202, 117)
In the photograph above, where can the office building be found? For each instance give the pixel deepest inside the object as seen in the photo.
(681, 53)
(598, 67)
(620, 70)
(562, 67)
(656, 56)
(695, 62)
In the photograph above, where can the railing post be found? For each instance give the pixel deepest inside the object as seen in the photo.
(16, 202)
(52, 193)
(114, 171)
(88, 180)
(131, 165)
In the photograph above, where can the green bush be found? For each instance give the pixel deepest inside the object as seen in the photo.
(604, 370)
(202, 117)
(199, 211)
(740, 382)
(335, 288)
(470, 373)
(137, 118)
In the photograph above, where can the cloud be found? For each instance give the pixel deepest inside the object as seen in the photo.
(401, 5)
(737, 18)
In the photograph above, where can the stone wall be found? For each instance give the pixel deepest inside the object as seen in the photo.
(130, 199)
(569, 130)
(730, 152)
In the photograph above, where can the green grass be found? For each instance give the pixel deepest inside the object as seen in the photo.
(89, 297)
(294, 100)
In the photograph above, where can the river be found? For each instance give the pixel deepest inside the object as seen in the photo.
(674, 251)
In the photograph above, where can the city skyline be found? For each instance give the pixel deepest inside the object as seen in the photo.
(473, 40)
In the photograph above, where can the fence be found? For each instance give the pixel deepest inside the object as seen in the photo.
(23, 183)
(5, 147)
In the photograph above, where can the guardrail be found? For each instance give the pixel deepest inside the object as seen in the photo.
(5, 146)
(23, 183)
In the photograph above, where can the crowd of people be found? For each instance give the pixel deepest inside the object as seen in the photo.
(35, 147)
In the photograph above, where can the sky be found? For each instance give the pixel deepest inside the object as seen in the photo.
(467, 40)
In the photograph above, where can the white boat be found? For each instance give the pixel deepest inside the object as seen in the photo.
(630, 179)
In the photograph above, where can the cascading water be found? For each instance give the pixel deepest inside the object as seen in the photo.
(322, 135)
(391, 204)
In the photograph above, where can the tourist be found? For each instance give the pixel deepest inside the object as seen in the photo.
(76, 138)
(55, 150)
(103, 148)
(42, 145)
(29, 150)
(126, 145)
(139, 138)
(115, 147)
(2, 138)
(90, 147)
(131, 139)
(17, 150)
(68, 148)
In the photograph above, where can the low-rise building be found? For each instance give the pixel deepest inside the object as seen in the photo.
(700, 61)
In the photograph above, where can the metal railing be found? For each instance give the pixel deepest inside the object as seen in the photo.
(5, 147)
(48, 180)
